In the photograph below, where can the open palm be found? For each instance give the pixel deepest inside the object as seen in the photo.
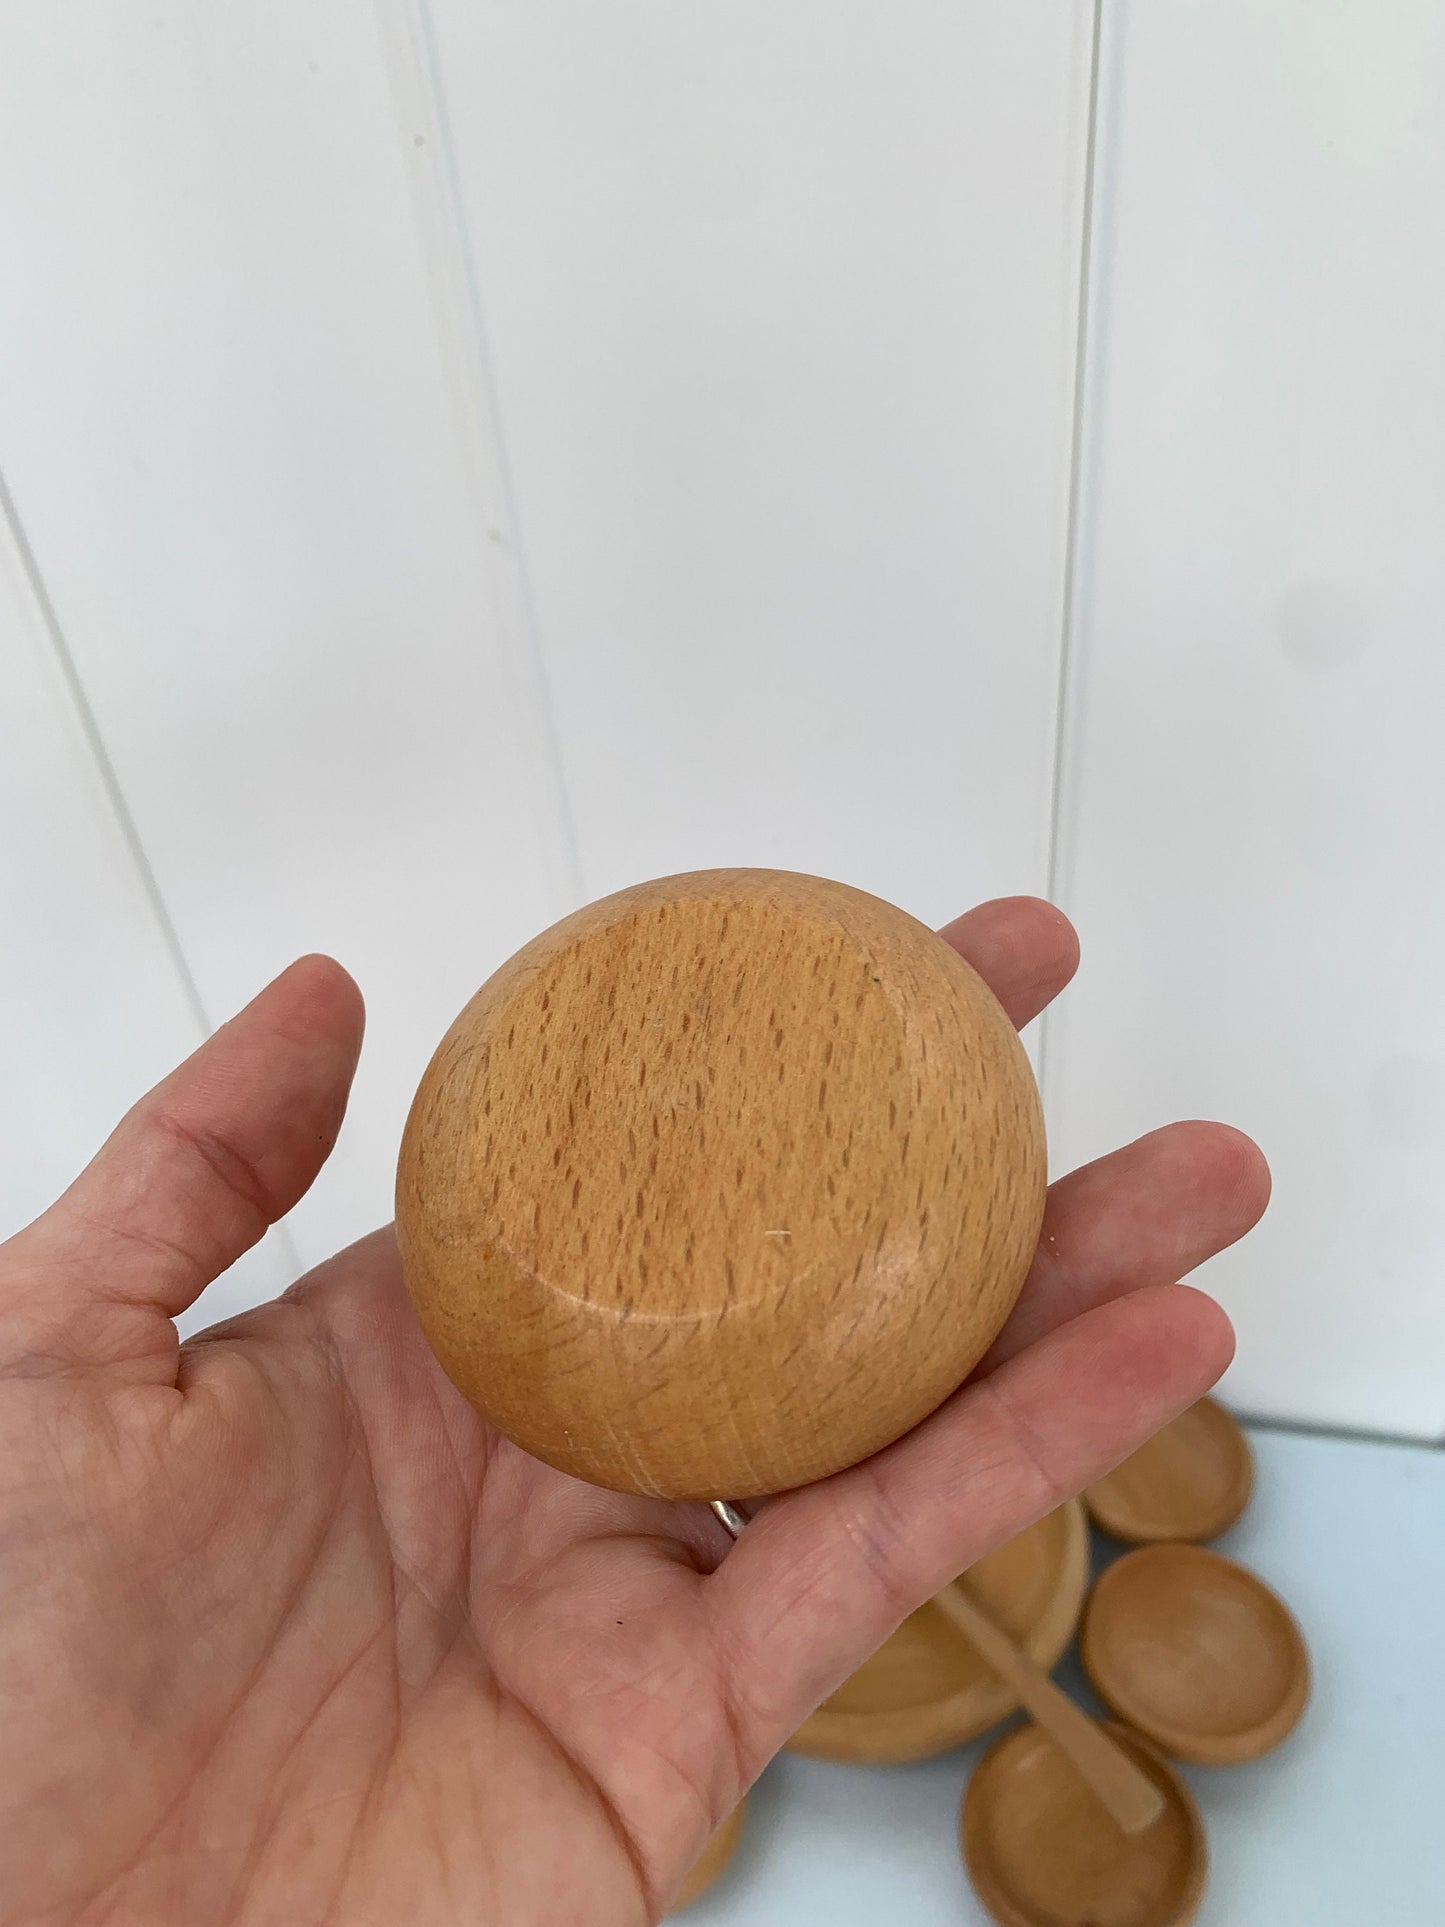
(291, 1636)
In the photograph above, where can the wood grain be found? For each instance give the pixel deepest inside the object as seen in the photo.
(1197, 1652)
(1189, 1482)
(721, 1184)
(1042, 1852)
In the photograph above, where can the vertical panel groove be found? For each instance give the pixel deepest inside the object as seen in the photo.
(409, 47)
(1064, 692)
(15, 532)
(12, 529)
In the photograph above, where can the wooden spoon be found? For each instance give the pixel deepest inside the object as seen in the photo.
(926, 1690)
(1189, 1482)
(1131, 1797)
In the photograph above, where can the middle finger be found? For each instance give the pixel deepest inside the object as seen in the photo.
(1143, 1215)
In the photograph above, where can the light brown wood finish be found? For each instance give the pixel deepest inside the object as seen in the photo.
(925, 1689)
(1041, 1852)
(1127, 1795)
(712, 1860)
(1197, 1653)
(721, 1184)
(1190, 1482)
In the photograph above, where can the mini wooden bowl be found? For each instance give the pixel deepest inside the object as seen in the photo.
(1042, 1852)
(926, 1689)
(713, 1858)
(721, 1184)
(1189, 1482)
(1197, 1653)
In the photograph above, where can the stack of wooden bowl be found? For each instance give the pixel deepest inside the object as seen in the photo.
(1194, 1656)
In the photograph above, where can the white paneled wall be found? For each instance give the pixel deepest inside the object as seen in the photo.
(466, 455)
(1257, 791)
(94, 1003)
(782, 304)
(230, 436)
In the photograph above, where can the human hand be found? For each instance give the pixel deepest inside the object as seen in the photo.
(291, 1636)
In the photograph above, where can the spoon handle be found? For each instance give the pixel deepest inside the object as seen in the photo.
(1128, 1794)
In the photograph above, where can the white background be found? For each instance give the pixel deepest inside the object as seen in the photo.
(462, 457)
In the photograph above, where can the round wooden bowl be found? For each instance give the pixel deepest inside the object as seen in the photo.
(721, 1184)
(1197, 1653)
(1042, 1852)
(1189, 1482)
(926, 1689)
(713, 1858)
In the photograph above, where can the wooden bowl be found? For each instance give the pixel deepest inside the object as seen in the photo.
(713, 1858)
(926, 1689)
(1197, 1653)
(1189, 1482)
(1042, 1852)
(721, 1184)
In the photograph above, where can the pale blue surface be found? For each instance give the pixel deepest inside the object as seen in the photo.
(1344, 1826)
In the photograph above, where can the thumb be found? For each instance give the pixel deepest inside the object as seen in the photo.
(191, 1177)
